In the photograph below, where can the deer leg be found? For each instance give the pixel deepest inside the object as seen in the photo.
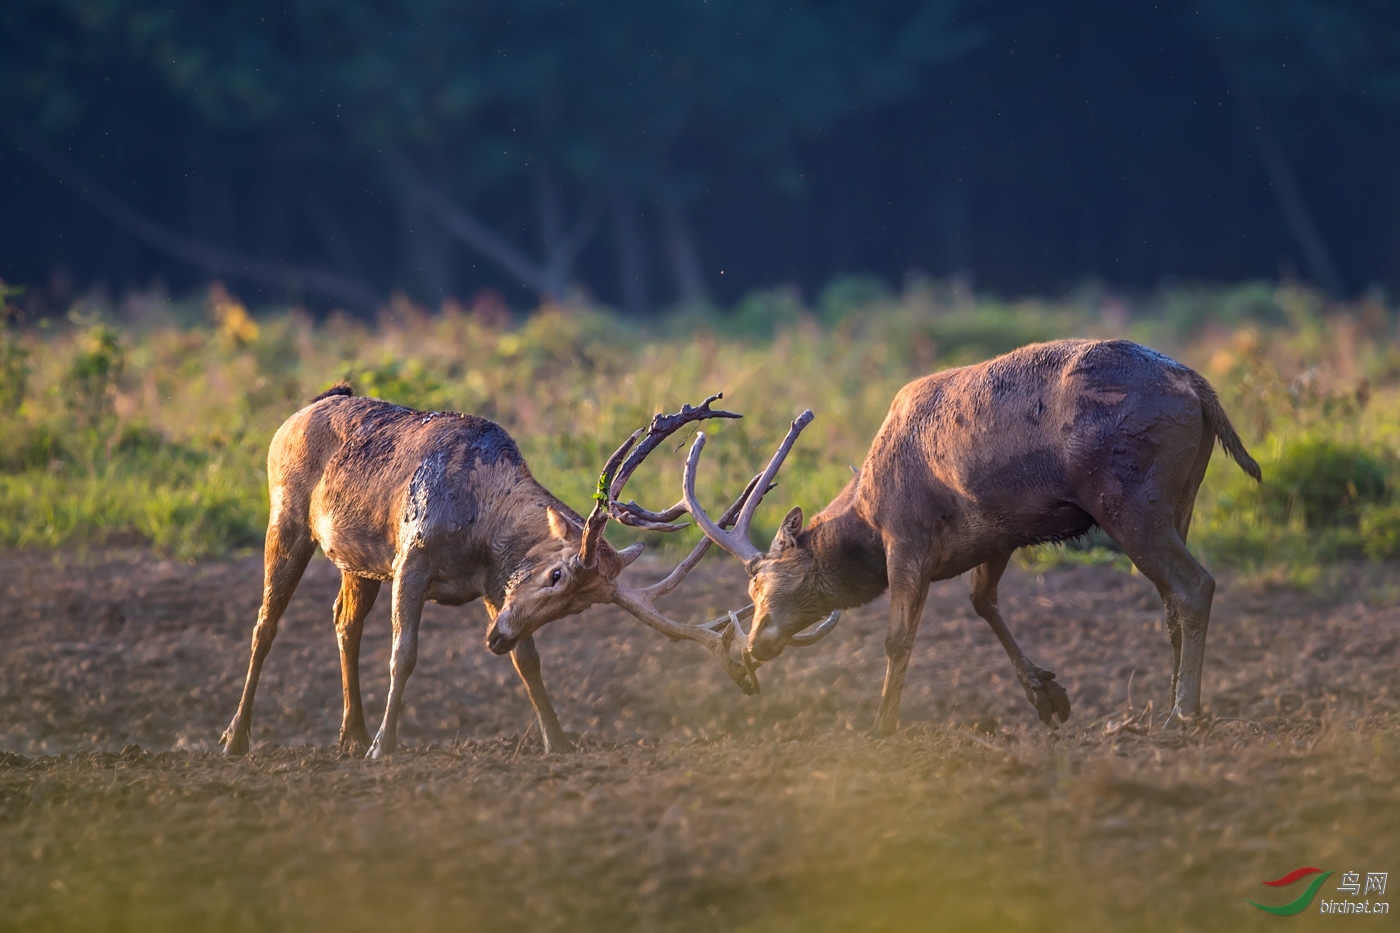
(284, 561)
(1185, 506)
(526, 659)
(410, 589)
(357, 595)
(908, 591)
(1186, 588)
(1048, 697)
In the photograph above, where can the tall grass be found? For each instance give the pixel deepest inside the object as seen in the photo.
(152, 426)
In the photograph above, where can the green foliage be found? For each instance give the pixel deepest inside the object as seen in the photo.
(1380, 530)
(1326, 496)
(14, 358)
(853, 294)
(89, 386)
(160, 434)
(404, 383)
(14, 372)
(1323, 482)
(28, 446)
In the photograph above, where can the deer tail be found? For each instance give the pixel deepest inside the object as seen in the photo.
(1219, 422)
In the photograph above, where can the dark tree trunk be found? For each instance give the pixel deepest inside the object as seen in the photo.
(425, 253)
(631, 254)
(558, 263)
(683, 254)
(1282, 181)
(283, 277)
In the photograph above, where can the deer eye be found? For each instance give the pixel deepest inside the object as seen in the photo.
(555, 576)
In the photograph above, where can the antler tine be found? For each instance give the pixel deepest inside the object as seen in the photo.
(598, 518)
(741, 527)
(662, 427)
(624, 462)
(739, 546)
(718, 635)
(817, 632)
(638, 517)
(676, 576)
(737, 542)
(719, 640)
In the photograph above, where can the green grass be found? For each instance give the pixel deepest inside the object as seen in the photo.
(154, 428)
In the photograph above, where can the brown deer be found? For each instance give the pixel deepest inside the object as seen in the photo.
(1040, 445)
(442, 506)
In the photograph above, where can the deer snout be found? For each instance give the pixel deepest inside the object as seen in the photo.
(765, 644)
(499, 637)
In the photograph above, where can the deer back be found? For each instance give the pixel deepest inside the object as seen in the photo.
(1001, 453)
(374, 478)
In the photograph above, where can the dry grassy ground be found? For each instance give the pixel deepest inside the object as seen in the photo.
(689, 806)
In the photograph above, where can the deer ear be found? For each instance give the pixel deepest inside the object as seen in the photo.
(788, 532)
(560, 525)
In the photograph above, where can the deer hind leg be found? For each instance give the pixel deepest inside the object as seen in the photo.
(285, 556)
(410, 592)
(526, 659)
(1048, 697)
(908, 592)
(1150, 536)
(1185, 506)
(357, 595)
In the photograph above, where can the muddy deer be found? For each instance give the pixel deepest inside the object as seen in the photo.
(1039, 445)
(443, 506)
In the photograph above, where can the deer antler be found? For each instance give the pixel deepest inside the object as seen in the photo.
(737, 542)
(717, 635)
(624, 462)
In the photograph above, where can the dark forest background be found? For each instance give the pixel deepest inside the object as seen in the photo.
(649, 154)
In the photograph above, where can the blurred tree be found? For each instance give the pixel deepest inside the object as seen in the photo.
(469, 111)
(1304, 50)
(339, 149)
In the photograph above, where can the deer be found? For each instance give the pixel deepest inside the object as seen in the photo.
(1040, 445)
(442, 506)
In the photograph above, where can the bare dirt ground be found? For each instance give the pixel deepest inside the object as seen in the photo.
(688, 805)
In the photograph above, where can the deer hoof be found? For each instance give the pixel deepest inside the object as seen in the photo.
(560, 745)
(1178, 719)
(235, 745)
(1050, 700)
(884, 728)
(354, 745)
(379, 750)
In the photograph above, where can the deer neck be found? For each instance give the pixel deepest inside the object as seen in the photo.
(849, 559)
(518, 522)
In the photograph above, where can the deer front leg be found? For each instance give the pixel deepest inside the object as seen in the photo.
(1048, 697)
(908, 591)
(410, 588)
(285, 557)
(526, 659)
(357, 595)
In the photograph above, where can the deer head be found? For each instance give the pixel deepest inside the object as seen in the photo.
(553, 580)
(575, 567)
